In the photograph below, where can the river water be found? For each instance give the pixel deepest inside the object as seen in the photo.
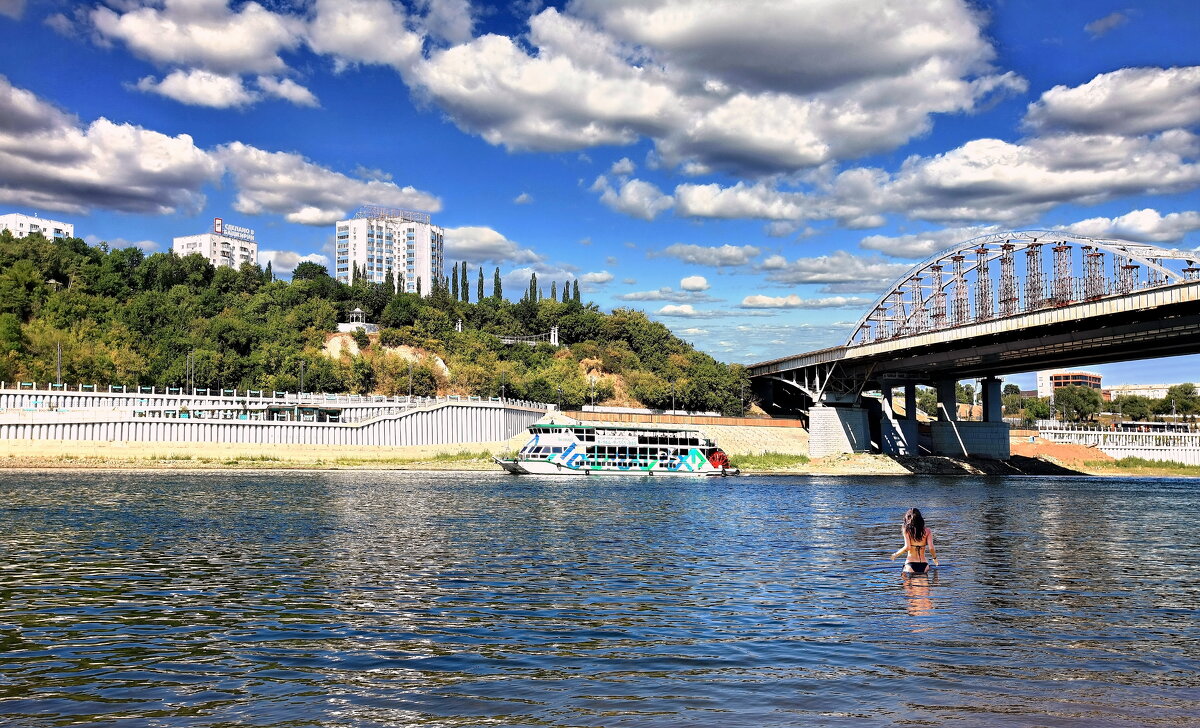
(386, 599)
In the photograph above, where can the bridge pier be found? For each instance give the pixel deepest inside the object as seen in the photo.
(987, 439)
(898, 435)
(834, 430)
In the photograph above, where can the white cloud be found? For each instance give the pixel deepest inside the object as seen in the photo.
(716, 256)
(283, 262)
(288, 90)
(597, 278)
(792, 84)
(666, 293)
(523, 199)
(12, 8)
(307, 193)
(147, 246)
(794, 301)
(758, 200)
(693, 331)
(199, 88)
(364, 31)
(448, 20)
(687, 310)
(924, 244)
(636, 198)
(863, 274)
(1102, 26)
(479, 244)
(1128, 101)
(623, 167)
(1142, 226)
(694, 283)
(203, 33)
(49, 160)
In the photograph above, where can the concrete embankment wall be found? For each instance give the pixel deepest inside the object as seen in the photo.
(445, 423)
(1178, 447)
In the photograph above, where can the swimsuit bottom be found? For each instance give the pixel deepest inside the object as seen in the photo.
(918, 567)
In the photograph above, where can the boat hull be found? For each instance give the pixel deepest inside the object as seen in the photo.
(543, 467)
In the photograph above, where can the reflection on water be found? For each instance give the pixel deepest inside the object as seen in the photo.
(373, 599)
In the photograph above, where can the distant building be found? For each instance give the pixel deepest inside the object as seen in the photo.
(21, 225)
(1047, 382)
(229, 245)
(379, 240)
(1153, 391)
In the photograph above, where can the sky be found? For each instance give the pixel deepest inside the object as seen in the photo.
(752, 174)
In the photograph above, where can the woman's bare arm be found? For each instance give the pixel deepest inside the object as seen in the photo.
(903, 550)
(932, 550)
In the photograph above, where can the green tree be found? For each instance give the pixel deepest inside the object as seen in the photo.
(1077, 403)
(497, 285)
(1037, 409)
(1010, 389)
(553, 291)
(1133, 407)
(308, 271)
(927, 401)
(479, 287)
(575, 291)
(1181, 399)
(454, 282)
(463, 287)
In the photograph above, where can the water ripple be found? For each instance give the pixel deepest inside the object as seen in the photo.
(379, 599)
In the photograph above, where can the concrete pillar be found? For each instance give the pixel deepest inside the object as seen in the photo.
(947, 398)
(910, 402)
(835, 430)
(992, 409)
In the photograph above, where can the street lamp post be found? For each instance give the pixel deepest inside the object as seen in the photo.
(560, 398)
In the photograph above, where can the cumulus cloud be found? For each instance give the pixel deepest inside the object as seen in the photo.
(716, 256)
(687, 310)
(305, 192)
(666, 293)
(288, 90)
(794, 301)
(147, 246)
(12, 8)
(523, 199)
(49, 160)
(1141, 226)
(597, 278)
(787, 86)
(203, 33)
(694, 283)
(623, 167)
(851, 272)
(447, 20)
(1128, 101)
(199, 88)
(924, 244)
(635, 197)
(364, 31)
(283, 262)
(478, 244)
(1101, 26)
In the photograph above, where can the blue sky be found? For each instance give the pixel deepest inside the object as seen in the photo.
(752, 174)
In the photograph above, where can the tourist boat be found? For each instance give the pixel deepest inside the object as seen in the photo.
(596, 449)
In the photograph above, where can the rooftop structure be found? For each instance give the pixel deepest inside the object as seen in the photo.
(228, 245)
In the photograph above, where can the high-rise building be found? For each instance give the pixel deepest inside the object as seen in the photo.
(21, 225)
(225, 244)
(1049, 381)
(379, 240)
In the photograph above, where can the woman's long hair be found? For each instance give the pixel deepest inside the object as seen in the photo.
(914, 525)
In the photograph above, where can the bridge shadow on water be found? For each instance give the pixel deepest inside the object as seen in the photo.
(1016, 465)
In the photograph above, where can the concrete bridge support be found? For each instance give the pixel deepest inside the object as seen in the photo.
(898, 435)
(986, 439)
(834, 430)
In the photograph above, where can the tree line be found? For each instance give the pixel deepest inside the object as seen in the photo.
(121, 316)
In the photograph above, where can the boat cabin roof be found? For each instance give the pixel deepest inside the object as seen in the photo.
(612, 427)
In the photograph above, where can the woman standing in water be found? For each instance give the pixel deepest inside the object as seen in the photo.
(916, 539)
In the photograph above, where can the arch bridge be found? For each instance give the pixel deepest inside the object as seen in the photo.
(998, 304)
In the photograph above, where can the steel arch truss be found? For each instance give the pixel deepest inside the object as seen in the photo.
(1008, 274)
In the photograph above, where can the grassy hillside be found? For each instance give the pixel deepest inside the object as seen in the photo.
(123, 317)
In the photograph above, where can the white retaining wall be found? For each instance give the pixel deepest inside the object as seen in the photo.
(1179, 447)
(833, 430)
(435, 424)
(971, 439)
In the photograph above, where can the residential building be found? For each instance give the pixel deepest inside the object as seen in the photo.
(379, 240)
(1153, 391)
(225, 244)
(21, 225)
(1049, 381)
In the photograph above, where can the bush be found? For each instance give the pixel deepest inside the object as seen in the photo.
(361, 338)
(391, 337)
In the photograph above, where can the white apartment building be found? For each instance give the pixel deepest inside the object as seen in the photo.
(381, 239)
(21, 225)
(225, 244)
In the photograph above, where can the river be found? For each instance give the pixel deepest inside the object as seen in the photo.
(385, 599)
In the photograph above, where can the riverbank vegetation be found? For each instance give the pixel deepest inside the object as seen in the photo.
(125, 317)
